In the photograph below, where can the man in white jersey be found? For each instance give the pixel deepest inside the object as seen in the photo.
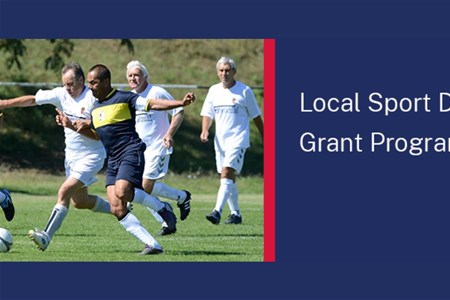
(157, 133)
(84, 157)
(5, 197)
(231, 104)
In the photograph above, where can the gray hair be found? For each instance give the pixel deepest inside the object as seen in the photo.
(75, 67)
(226, 61)
(140, 66)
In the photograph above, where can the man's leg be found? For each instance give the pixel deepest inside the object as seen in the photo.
(42, 238)
(117, 197)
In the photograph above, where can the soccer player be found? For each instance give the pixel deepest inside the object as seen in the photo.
(5, 197)
(231, 104)
(113, 121)
(84, 157)
(157, 133)
(7, 205)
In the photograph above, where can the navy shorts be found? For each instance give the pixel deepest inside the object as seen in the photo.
(129, 167)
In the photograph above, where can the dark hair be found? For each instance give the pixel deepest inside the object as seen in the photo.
(75, 67)
(102, 72)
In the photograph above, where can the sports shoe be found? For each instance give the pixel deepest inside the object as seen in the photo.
(166, 231)
(234, 219)
(151, 250)
(185, 207)
(7, 206)
(40, 238)
(170, 219)
(129, 206)
(214, 217)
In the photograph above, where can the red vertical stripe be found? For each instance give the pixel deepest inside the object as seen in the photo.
(269, 150)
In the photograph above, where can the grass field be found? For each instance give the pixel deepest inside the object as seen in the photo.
(87, 236)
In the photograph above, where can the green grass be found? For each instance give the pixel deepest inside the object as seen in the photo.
(29, 136)
(36, 182)
(86, 236)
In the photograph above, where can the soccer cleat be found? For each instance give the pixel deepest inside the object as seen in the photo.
(166, 231)
(214, 217)
(185, 207)
(234, 219)
(7, 206)
(129, 206)
(170, 219)
(40, 238)
(151, 250)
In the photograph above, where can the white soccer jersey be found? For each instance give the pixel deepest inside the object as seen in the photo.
(232, 110)
(79, 108)
(153, 125)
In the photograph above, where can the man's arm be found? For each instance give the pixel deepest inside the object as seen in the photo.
(23, 101)
(164, 104)
(206, 124)
(82, 127)
(260, 125)
(89, 133)
(175, 123)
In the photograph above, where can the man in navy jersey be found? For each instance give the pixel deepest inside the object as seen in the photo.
(113, 121)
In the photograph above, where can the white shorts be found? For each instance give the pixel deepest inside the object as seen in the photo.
(233, 158)
(84, 168)
(156, 166)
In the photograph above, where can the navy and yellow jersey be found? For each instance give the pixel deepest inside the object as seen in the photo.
(113, 119)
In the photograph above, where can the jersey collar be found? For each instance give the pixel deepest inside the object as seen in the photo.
(110, 93)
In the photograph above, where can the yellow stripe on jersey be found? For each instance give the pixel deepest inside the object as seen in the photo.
(110, 114)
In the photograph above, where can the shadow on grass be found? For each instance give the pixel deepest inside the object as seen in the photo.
(89, 234)
(187, 253)
(177, 253)
(227, 234)
(34, 192)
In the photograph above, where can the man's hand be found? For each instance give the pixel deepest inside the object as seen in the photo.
(204, 136)
(188, 99)
(62, 120)
(81, 124)
(168, 141)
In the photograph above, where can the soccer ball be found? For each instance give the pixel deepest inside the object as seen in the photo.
(6, 240)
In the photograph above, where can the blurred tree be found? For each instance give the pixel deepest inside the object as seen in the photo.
(15, 49)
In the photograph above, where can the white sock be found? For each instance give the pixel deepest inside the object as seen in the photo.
(147, 200)
(57, 216)
(223, 194)
(233, 203)
(157, 217)
(133, 226)
(163, 190)
(101, 205)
